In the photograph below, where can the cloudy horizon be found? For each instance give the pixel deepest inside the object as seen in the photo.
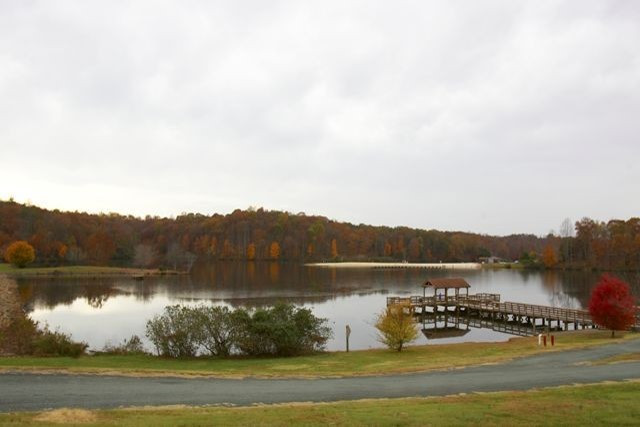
(495, 117)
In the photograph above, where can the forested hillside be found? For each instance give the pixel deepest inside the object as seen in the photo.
(258, 234)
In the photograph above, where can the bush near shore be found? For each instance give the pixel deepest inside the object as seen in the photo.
(281, 330)
(23, 336)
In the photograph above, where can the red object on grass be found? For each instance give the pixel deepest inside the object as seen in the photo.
(612, 304)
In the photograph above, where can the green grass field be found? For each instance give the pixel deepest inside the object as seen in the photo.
(330, 364)
(598, 404)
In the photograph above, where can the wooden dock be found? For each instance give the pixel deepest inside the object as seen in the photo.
(488, 306)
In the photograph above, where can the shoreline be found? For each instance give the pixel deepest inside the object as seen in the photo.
(394, 265)
(83, 271)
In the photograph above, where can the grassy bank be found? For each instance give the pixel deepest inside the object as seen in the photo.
(598, 404)
(333, 364)
(80, 271)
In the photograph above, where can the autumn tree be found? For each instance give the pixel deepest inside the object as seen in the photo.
(396, 326)
(334, 248)
(251, 251)
(549, 258)
(274, 250)
(228, 250)
(414, 249)
(612, 305)
(100, 247)
(62, 250)
(20, 254)
(387, 249)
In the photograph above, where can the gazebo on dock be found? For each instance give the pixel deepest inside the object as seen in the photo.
(441, 288)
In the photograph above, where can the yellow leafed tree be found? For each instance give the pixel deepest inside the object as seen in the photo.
(396, 326)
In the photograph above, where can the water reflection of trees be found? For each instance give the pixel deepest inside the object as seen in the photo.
(49, 293)
(227, 280)
(264, 281)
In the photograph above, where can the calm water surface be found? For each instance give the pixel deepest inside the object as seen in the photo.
(108, 310)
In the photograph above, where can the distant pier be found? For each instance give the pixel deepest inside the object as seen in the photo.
(400, 265)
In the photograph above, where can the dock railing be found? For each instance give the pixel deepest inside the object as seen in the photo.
(542, 311)
(418, 300)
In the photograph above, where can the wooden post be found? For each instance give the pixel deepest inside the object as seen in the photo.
(348, 329)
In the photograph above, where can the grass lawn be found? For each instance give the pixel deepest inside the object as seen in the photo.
(330, 364)
(598, 404)
(77, 270)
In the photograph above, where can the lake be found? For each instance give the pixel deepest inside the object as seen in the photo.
(98, 311)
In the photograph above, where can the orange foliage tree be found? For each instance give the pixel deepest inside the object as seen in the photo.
(274, 250)
(20, 254)
(334, 248)
(62, 250)
(251, 251)
(549, 258)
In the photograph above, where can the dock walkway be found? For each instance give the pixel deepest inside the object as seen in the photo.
(489, 306)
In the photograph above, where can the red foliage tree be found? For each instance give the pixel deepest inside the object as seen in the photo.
(612, 304)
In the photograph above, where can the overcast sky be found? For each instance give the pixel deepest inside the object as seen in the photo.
(496, 117)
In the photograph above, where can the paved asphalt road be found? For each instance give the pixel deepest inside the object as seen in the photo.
(21, 391)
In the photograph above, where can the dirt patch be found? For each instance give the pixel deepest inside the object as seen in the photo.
(67, 416)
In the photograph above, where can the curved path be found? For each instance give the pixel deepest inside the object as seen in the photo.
(22, 391)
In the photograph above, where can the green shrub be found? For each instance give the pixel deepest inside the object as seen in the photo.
(217, 331)
(253, 337)
(282, 330)
(56, 343)
(23, 336)
(175, 333)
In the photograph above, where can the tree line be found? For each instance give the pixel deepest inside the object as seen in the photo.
(258, 234)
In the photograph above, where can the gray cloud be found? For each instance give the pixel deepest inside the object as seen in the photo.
(496, 117)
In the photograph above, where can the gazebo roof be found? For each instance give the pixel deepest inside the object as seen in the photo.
(447, 283)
